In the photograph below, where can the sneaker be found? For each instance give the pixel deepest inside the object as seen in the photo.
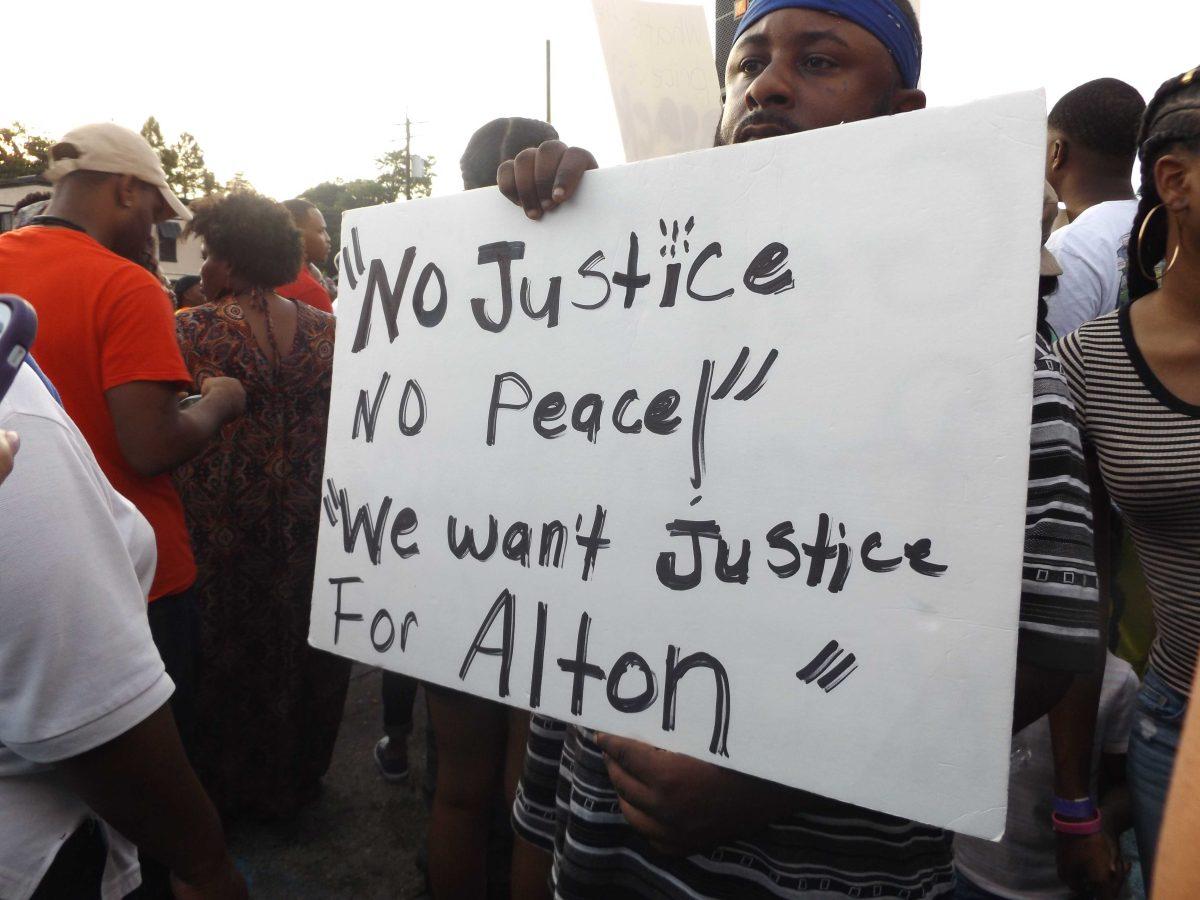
(392, 760)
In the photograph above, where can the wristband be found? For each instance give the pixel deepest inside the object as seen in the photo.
(1062, 826)
(1083, 808)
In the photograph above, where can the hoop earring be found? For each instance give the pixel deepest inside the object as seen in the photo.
(1140, 256)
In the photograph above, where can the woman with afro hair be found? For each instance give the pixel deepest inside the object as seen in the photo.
(269, 706)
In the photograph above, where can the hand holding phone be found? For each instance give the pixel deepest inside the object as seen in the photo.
(18, 326)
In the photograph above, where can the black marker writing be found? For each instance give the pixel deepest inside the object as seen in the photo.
(700, 420)
(504, 606)
(822, 550)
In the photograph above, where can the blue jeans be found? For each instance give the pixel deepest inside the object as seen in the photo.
(1157, 723)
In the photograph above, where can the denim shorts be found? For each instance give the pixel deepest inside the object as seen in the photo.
(1157, 725)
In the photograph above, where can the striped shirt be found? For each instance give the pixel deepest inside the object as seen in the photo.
(1060, 611)
(566, 803)
(1147, 442)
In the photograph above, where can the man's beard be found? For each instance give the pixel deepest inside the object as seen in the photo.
(758, 117)
(135, 244)
(765, 117)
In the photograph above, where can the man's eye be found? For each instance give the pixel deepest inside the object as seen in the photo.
(750, 66)
(816, 61)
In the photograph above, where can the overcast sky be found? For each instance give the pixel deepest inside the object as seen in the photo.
(295, 101)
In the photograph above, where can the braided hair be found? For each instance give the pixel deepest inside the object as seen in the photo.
(1172, 121)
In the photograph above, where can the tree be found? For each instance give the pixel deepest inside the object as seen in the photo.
(169, 158)
(395, 175)
(191, 178)
(183, 162)
(238, 182)
(333, 198)
(22, 153)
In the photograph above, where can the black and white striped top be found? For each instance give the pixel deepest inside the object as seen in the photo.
(1147, 441)
(567, 805)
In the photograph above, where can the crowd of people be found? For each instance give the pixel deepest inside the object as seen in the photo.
(155, 680)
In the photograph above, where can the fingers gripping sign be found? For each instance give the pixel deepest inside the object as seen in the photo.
(643, 802)
(540, 179)
(682, 805)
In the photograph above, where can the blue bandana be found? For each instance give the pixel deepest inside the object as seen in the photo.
(882, 18)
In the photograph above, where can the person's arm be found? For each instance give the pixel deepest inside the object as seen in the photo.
(540, 179)
(84, 687)
(1116, 803)
(1073, 722)
(141, 784)
(10, 443)
(142, 368)
(1092, 865)
(1039, 691)
(155, 435)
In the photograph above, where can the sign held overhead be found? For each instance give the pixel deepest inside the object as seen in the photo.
(664, 84)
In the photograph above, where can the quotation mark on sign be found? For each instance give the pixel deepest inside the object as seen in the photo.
(687, 229)
(820, 671)
(358, 260)
(700, 422)
(330, 502)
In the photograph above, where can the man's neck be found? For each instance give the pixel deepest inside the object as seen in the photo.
(1081, 197)
(82, 215)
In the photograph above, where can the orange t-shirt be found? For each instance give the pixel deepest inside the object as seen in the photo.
(308, 290)
(102, 322)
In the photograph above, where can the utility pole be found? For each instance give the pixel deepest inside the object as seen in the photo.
(407, 157)
(548, 120)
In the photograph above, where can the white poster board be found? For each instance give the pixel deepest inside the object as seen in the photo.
(664, 82)
(825, 332)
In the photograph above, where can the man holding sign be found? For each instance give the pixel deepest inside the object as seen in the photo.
(624, 819)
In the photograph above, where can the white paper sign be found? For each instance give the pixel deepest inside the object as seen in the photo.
(664, 82)
(819, 346)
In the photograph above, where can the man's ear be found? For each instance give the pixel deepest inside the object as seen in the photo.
(126, 187)
(908, 100)
(1172, 177)
(1058, 155)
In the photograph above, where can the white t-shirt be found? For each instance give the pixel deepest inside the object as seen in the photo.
(1094, 253)
(78, 666)
(1023, 865)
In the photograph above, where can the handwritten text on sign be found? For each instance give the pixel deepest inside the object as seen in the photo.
(728, 454)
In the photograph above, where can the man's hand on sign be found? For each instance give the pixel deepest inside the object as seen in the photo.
(1091, 865)
(540, 179)
(682, 805)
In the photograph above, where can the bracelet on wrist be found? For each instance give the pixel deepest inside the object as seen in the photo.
(1090, 826)
(1083, 808)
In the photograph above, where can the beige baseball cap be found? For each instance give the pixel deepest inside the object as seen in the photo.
(105, 147)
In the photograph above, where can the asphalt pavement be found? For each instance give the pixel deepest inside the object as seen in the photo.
(360, 838)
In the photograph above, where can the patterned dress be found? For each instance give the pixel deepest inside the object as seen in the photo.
(268, 706)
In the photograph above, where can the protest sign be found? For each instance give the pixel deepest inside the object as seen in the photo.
(728, 454)
(664, 83)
